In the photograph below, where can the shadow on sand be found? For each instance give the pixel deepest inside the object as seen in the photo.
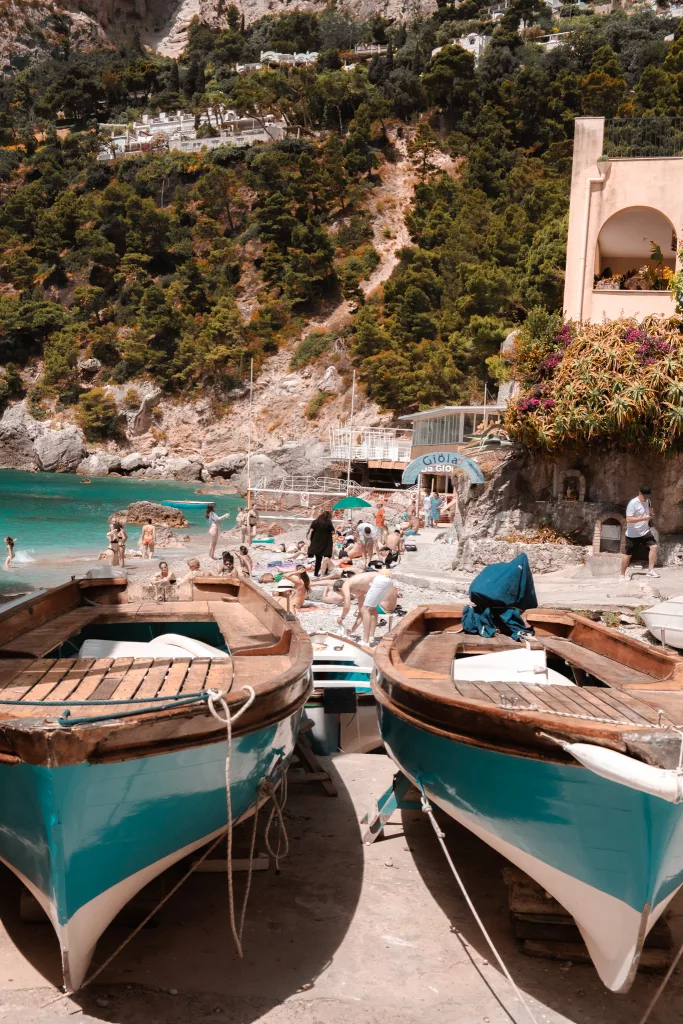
(575, 991)
(295, 921)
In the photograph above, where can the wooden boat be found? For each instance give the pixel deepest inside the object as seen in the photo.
(111, 770)
(665, 621)
(342, 706)
(579, 785)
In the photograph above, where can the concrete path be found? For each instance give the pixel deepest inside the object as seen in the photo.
(346, 934)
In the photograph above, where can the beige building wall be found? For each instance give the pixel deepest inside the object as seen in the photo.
(599, 191)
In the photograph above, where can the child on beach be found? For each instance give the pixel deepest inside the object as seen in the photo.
(9, 542)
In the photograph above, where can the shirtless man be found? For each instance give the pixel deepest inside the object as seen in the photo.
(358, 587)
(395, 541)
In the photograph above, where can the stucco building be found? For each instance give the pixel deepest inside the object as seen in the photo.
(626, 210)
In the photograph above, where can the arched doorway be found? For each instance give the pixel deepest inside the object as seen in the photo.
(626, 243)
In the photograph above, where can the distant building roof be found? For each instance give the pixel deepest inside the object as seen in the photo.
(451, 410)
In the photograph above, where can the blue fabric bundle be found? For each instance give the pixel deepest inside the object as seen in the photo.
(499, 594)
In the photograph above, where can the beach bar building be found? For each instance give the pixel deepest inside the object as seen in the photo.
(626, 207)
(442, 431)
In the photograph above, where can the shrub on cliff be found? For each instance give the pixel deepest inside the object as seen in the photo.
(97, 415)
(617, 384)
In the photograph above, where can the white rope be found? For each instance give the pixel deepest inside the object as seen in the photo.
(216, 697)
(427, 808)
(277, 809)
(665, 980)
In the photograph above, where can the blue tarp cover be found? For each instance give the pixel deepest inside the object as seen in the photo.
(499, 594)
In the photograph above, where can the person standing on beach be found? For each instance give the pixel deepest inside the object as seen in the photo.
(321, 532)
(435, 501)
(214, 520)
(113, 538)
(639, 512)
(242, 524)
(9, 543)
(381, 522)
(367, 535)
(122, 537)
(149, 538)
(252, 523)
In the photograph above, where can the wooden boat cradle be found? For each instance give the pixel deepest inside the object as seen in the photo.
(628, 696)
(269, 651)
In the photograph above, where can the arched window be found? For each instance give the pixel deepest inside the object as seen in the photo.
(634, 247)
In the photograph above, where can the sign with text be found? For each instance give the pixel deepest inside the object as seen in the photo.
(442, 462)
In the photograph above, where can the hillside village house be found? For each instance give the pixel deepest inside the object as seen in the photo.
(625, 214)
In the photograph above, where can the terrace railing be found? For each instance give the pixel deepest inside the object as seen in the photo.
(638, 137)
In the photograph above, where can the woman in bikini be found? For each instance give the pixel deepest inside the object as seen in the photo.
(214, 520)
(9, 542)
(148, 539)
(244, 558)
(113, 538)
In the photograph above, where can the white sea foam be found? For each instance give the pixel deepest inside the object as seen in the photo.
(25, 556)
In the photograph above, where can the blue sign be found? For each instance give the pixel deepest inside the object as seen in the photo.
(442, 462)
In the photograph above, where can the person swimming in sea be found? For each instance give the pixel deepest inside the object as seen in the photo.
(9, 543)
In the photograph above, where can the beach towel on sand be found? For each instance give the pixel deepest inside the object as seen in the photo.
(499, 594)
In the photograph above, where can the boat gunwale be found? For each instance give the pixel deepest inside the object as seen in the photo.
(430, 700)
(32, 739)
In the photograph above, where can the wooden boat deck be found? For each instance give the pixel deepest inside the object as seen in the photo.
(626, 694)
(267, 652)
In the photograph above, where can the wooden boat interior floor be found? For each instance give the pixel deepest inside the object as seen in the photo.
(606, 690)
(26, 674)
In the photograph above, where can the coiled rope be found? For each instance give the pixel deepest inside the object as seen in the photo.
(427, 808)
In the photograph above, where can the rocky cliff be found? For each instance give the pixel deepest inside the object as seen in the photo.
(39, 27)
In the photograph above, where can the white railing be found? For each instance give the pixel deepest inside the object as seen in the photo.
(307, 485)
(379, 444)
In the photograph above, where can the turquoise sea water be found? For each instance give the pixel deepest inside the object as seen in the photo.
(60, 523)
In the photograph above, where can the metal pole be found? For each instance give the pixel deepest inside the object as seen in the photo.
(353, 403)
(251, 403)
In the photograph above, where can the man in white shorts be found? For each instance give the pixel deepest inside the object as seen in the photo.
(639, 512)
(381, 597)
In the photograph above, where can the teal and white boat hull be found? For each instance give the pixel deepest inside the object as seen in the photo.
(85, 838)
(610, 854)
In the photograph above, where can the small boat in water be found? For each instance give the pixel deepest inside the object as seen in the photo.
(575, 780)
(665, 622)
(112, 766)
(342, 706)
(186, 504)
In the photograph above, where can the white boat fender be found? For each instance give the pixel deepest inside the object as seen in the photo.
(665, 783)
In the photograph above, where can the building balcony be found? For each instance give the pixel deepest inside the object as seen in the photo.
(613, 305)
(371, 446)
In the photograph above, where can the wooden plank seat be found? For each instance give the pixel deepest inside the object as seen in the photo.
(51, 634)
(241, 629)
(605, 669)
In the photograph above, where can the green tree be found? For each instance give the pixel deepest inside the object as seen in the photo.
(97, 415)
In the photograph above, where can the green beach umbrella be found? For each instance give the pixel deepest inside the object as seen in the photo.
(351, 502)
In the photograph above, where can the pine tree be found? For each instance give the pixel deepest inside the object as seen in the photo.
(200, 87)
(190, 81)
(174, 78)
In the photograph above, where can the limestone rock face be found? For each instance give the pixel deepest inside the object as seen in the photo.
(330, 382)
(19, 416)
(16, 448)
(138, 512)
(182, 469)
(227, 466)
(60, 451)
(264, 473)
(302, 458)
(99, 464)
(135, 461)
